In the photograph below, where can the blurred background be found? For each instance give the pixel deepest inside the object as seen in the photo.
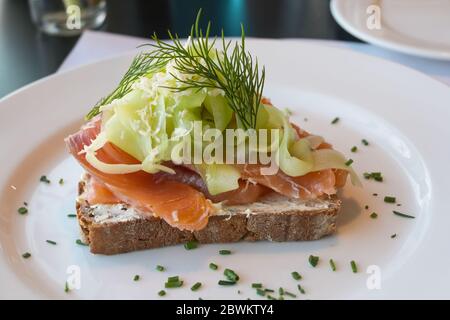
(27, 53)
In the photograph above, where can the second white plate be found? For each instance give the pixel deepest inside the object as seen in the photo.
(416, 27)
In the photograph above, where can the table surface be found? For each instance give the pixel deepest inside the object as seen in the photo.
(27, 55)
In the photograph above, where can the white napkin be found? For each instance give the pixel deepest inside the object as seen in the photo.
(96, 45)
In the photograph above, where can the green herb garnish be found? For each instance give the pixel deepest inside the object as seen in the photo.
(190, 245)
(335, 120)
(313, 260)
(213, 266)
(349, 162)
(403, 215)
(269, 297)
(365, 142)
(302, 291)
(161, 293)
(389, 199)
(374, 215)
(160, 268)
(354, 149)
(373, 175)
(71, 215)
(173, 282)
(22, 210)
(44, 179)
(66, 287)
(136, 278)
(353, 265)
(26, 255)
(289, 294)
(196, 286)
(296, 275)
(81, 243)
(226, 283)
(257, 285)
(61, 181)
(231, 275)
(235, 71)
(224, 252)
(51, 242)
(393, 236)
(332, 265)
(260, 292)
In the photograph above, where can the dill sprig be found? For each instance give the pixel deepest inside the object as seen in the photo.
(232, 70)
(142, 65)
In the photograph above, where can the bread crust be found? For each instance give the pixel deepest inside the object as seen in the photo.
(274, 218)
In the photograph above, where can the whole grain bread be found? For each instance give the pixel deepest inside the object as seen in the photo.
(119, 228)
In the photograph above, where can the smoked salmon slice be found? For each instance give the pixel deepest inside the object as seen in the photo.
(179, 204)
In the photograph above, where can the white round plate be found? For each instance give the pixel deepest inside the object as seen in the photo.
(416, 27)
(402, 113)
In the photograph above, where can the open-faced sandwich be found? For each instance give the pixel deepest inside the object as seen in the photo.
(186, 148)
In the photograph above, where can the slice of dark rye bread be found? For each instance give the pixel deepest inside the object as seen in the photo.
(112, 229)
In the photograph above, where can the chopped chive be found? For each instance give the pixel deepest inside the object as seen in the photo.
(257, 285)
(365, 142)
(335, 120)
(61, 181)
(280, 298)
(374, 215)
(269, 290)
(366, 207)
(403, 215)
(66, 287)
(226, 283)
(213, 266)
(196, 286)
(270, 297)
(173, 279)
(302, 291)
(173, 284)
(51, 242)
(393, 236)
(190, 245)
(260, 292)
(136, 278)
(332, 265)
(231, 275)
(161, 293)
(377, 176)
(389, 199)
(22, 210)
(375, 194)
(239, 291)
(354, 149)
(349, 162)
(280, 291)
(160, 268)
(44, 179)
(26, 255)
(25, 204)
(296, 275)
(81, 243)
(290, 294)
(353, 265)
(72, 215)
(224, 252)
(313, 260)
